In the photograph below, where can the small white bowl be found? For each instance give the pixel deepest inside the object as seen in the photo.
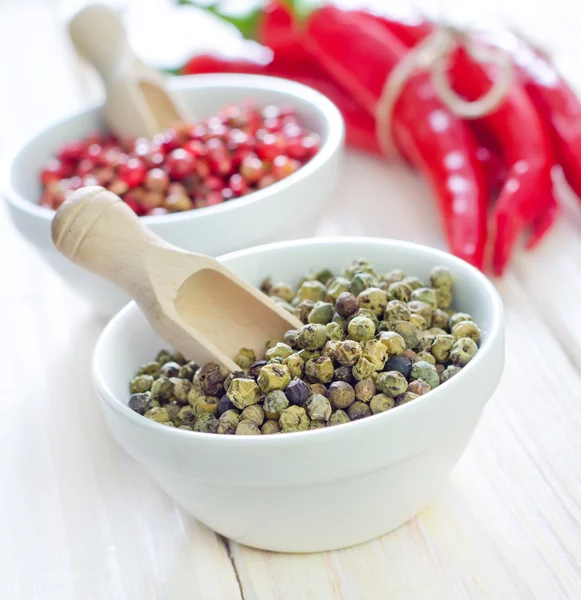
(285, 210)
(315, 490)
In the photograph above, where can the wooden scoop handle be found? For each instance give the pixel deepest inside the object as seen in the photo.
(95, 229)
(99, 36)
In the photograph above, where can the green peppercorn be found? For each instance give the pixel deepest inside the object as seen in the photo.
(391, 383)
(228, 421)
(399, 291)
(247, 428)
(421, 308)
(283, 304)
(393, 342)
(312, 336)
(419, 387)
(441, 347)
(449, 372)
(172, 408)
(185, 416)
(413, 282)
(290, 338)
(163, 356)
(466, 329)
(359, 266)
(405, 398)
(269, 427)
(169, 369)
(188, 371)
(374, 300)
(440, 319)
(295, 365)
(314, 291)
(317, 424)
(418, 322)
(279, 350)
(338, 418)
(157, 414)
(441, 278)
(294, 418)
(344, 373)
(443, 298)
(363, 369)
(212, 378)
(336, 288)
(180, 389)
(245, 358)
(365, 312)
(318, 388)
(380, 403)
(274, 403)
(334, 332)
(320, 370)
(410, 355)
(346, 305)
(425, 341)
(344, 323)
(463, 351)
(140, 403)
(362, 281)
(245, 392)
(141, 384)
(303, 309)
(330, 349)
(396, 311)
(426, 356)
(348, 353)
(185, 428)
(425, 295)
(361, 328)
(254, 413)
(393, 276)
(162, 390)
(150, 368)
(426, 372)
(273, 377)
(358, 410)
(375, 352)
(206, 423)
(457, 318)
(206, 404)
(232, 376)
(365, 390)
(440, 368)
(307, 355)
(319, 407)
(341, 394)
(283, 290)
(321, 313)
(408, 332)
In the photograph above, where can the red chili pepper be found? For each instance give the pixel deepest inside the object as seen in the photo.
(359, 125)
(361, 54)
(526, 147)
(555, 101)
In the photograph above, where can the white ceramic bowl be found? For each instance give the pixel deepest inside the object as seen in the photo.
(323, 489)
(285, 210)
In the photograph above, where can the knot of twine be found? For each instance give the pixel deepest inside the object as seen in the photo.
(432, 55)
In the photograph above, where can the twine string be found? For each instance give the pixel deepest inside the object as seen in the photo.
(432, 55)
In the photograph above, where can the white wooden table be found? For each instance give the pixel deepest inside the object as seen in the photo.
(79, 520)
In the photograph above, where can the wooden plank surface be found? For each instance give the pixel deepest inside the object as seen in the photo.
(79, 520)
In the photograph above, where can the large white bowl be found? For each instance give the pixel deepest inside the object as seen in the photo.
(285, 210)
(322, 489)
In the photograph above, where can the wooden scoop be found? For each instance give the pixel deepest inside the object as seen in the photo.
(138, 103)
(192, 301)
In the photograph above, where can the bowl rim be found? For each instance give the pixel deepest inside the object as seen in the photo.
(495, 332)
(329, 146)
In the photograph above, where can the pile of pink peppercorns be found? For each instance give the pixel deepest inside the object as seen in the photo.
(193, 165)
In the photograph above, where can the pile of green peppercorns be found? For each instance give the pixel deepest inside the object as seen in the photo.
(369, 343)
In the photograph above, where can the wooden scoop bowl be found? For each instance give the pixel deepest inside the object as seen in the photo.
(192, 301)
(138, 102)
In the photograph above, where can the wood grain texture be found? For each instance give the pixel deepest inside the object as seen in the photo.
(80, 520)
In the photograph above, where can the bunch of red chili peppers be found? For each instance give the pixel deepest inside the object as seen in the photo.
(503, 160)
